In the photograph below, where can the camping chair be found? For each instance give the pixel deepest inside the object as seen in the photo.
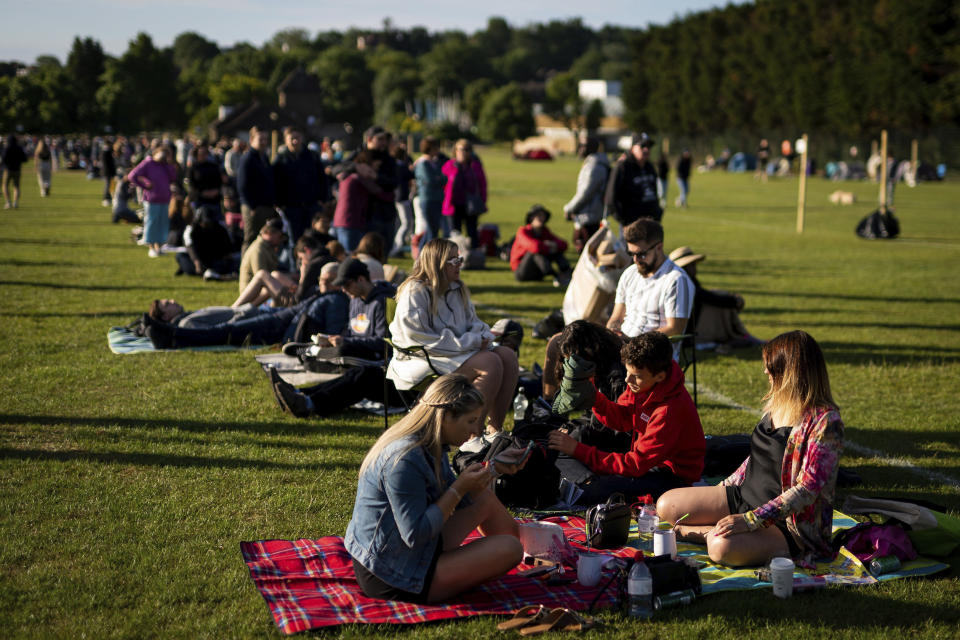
(413, 351)
(688, 357)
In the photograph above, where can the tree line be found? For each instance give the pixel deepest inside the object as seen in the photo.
(843, 69)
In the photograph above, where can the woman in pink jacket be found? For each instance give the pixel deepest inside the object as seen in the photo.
(465, 195)
(154, 175)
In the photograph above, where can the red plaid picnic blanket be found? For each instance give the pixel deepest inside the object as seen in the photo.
(310, 583)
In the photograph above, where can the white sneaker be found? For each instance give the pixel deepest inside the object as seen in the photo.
(153, 253)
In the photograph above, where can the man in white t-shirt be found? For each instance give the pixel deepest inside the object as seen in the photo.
(657, 295)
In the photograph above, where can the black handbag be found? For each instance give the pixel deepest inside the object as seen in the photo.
(475, 205)
(608, 524)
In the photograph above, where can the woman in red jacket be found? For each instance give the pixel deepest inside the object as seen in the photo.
(535, 250)
(668, 443)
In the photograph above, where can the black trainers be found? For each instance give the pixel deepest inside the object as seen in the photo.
(296, 349)
(288, 397)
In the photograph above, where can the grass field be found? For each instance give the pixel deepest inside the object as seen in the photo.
(127, 482)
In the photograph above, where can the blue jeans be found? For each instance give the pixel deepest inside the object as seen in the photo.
(349, 238)
(597, 488)
(684, 185)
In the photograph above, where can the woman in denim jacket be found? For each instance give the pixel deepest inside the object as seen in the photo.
(411, 514)
(780, 501)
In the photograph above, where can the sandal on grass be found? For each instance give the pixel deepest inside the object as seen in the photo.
(523, 617)
(559, 620)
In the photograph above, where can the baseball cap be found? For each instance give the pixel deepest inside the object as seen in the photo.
(350, 269)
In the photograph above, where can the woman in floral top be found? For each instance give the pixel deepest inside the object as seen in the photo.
(780, 501)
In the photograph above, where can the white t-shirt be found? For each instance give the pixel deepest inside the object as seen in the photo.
(668, 293)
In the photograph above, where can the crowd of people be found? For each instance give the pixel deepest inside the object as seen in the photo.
(308, 240)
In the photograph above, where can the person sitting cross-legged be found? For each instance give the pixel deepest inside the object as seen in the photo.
(536, 249)
(668, 442)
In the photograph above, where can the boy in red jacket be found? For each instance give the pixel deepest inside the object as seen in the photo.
(668, 443)
(535, 250)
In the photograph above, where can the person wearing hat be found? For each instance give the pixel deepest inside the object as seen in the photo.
(536, 249)
(263, 252)
(632, 189)
(715, 314)
(362, 339)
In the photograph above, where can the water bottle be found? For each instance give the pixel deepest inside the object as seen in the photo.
(646, 525)
(520, 404)
(639, 590)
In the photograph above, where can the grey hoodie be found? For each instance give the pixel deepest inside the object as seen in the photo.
(586, 206)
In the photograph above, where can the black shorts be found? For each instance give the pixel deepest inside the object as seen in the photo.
(374, 587)
(736, 504)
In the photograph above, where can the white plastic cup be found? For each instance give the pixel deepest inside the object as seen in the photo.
(665, 543)
(589, 566)
(781, 573)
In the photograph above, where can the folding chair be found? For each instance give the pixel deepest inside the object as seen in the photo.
(688, 357)
(413, 351)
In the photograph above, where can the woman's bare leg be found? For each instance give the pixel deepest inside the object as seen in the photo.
(485, 369)
(464, 567)
(508, 385)
(706, 505)
(745, 549)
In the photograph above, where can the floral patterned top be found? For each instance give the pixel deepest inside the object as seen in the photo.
(809, 478)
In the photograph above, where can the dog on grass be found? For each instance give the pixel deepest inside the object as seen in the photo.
(843, 197)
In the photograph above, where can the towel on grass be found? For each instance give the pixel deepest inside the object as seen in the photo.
(122, 340)
(308, 584)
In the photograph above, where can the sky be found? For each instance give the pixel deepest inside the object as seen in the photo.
(47, 27)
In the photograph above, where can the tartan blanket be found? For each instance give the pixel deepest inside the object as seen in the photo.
(308, 584)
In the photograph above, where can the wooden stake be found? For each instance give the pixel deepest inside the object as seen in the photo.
(666, 146)
(914, 157)
(274, 139)
(883, 171)
(802, 196)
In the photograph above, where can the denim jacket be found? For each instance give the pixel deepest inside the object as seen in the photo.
(396, 523)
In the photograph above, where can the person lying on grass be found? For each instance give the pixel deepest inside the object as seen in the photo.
(169, 326)
(412, 514)
(668, 443)
(779, 502)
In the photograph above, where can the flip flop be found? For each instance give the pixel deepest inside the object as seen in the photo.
(559, 620)
(523, 617)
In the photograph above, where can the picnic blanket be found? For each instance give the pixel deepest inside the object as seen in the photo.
(122, 340)
(309, 584)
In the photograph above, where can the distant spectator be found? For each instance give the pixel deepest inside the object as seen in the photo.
(108, 170)
(350, 220)
(13, 158)
(683, 178)
(465, 195)
(405, 178)
(121, 202)
(255, 187)
(430, 187)
(763, 159)
(205, 182)
(370, 251)
(586, 206)
(209, 248)
(42, 159)
(535, 250)
(300, 182)
(155, 176)
(632, 190)
(381, 207)
(232, 158)
(663, 171)
(262, 253)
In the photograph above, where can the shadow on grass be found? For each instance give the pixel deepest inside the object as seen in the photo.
(91, 287)
(855, 353)
(849, 296)
(165, 460)
(79, 314)
(301, 427)
(13, 262)
(66, 243)
(514, 289)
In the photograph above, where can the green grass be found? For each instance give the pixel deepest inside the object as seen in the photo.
(127, 482)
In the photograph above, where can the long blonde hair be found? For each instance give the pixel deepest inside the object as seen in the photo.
(799, 381)
(453, 394)
(429, 271)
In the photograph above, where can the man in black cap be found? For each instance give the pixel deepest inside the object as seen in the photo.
(632, 189)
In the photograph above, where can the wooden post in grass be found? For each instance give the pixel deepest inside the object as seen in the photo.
(666, 146)
(914, 158)
(802, 196)
(883, 171)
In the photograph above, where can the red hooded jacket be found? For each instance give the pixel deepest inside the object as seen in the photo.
(666, 432)
(526, 242)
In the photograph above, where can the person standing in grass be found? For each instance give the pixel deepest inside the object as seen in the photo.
(12, 160)
(779, 502)
(43, 163)
(155, 175)
(412, 514)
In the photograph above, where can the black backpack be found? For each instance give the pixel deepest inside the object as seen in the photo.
(537, 485)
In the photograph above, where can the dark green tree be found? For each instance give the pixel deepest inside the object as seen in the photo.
(85, 65)
(346, 83)
(506, 115)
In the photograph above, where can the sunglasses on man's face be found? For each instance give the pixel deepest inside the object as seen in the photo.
(455, 262)
(642, 255)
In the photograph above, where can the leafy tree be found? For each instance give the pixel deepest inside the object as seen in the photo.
(563, 100)
(450, 66)
(506, 115)
(495, 40)
(474, 94)
(190, 49)
(395, 82)
(238, 90)
(85, 65)
(346, 83)
(139, 91)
